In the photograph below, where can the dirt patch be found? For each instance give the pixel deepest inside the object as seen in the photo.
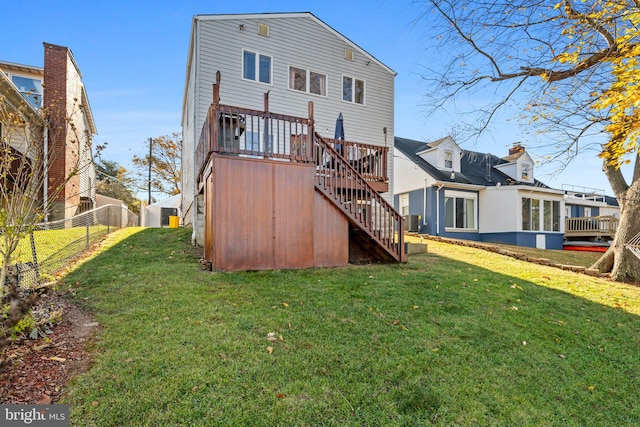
(39, 369)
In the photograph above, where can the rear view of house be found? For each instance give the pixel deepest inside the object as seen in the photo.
(267, 182)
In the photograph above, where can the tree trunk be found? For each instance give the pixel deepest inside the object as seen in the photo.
(622, 263)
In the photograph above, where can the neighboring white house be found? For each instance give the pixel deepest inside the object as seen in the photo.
(446, 191)
(296, 58)
(588, 202)
(157, 214)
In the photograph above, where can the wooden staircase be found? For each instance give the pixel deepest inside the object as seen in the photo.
(376, 227)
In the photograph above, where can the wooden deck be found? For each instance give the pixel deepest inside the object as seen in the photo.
(602, 227)
(279, 195)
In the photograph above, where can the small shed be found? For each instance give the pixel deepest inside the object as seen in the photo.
(157, 214)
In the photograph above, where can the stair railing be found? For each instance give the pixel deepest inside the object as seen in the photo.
(340, 182)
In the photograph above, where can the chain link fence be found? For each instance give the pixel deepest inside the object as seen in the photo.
(53, 245)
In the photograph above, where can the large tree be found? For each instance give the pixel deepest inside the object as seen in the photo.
(571, 67)
(163, 162)
(113, 181)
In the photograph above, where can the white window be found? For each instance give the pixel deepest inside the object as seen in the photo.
(353, 90)
(404, 204)
(30, 88)
(587, 211)
(551, 215)
(448, 159)
(258, 141)
(525, 172)
(256, 67)
(304, 80)
(540, 214)
(460, 210)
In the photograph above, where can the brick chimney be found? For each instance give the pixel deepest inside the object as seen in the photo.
(517, 148)
(62, 154)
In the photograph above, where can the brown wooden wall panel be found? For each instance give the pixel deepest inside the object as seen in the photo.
(243, 219)
(262, 215)
(331, 234)
(293, 202)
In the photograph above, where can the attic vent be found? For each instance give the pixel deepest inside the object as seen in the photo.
(263, 30)
(349, 55)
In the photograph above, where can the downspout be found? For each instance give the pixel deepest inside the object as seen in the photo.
(438, 209)
(194, 207)
(424, 208)
(45, 186)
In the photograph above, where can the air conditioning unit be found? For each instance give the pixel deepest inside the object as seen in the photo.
(412, 223)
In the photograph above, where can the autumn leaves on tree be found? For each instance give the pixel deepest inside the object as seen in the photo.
(570, 67)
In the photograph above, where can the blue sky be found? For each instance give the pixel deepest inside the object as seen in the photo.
(132, 55)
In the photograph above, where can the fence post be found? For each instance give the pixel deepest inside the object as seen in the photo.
(34, 255)
(108, 219)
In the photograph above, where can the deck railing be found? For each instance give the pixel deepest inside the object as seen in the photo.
(591, 226)
(251, 133)
(338, 180)
(369, 160)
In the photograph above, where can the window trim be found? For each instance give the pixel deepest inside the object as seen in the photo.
(258, 54)
(353, 90)
(526, 172)
(541, 225)
(466, 196)
(308, 72)
(27, 94)
(403, 202)
(446, 153)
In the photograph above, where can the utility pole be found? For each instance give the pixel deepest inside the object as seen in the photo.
(150, 162)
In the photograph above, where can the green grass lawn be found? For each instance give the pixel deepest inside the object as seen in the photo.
(458, 336)
(55, 247)
(581, 258)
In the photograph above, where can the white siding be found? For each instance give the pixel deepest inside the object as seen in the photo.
(295, 39)
(407, 175)
(501, 207)
(80, 135)
(190, 135)
(499, 210)
(509, 169)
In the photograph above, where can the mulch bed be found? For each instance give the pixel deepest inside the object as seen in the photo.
(39, 369)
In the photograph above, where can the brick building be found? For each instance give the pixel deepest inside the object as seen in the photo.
(57, 93)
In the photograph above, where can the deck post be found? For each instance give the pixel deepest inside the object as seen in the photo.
(311, 131)
(267, 141)
(213, 114)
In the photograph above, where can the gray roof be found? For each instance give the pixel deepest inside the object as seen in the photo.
(475, 168)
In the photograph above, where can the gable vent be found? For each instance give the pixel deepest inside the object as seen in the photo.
(349, 55)
(263, 30)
